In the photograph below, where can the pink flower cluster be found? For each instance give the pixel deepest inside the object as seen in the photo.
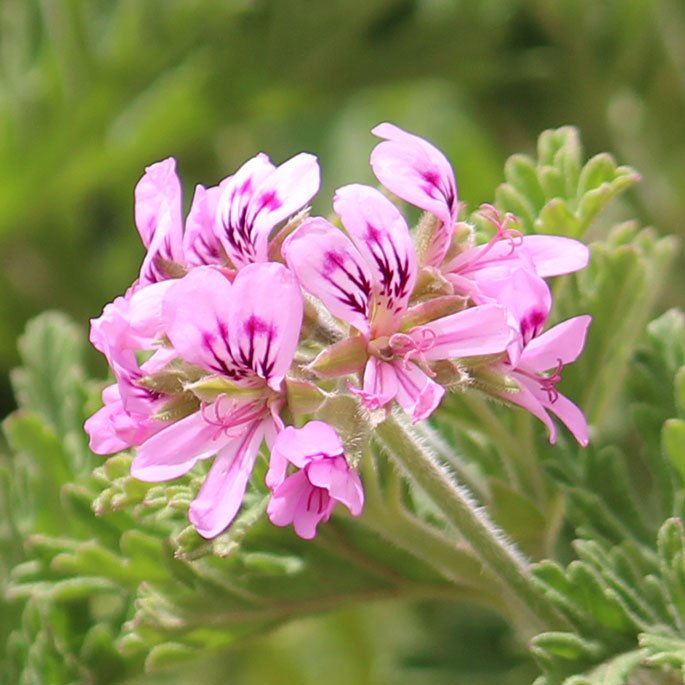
(240, 310)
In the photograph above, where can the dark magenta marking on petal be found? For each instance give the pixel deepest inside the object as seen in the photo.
(532, 324)
(336, 261)
(269, 201)
(443, 186)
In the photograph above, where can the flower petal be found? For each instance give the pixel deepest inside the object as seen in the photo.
(298, 445)
(528, 398)
(419, 173)
(265, 320)
(417, 394)
(382, 237)
(286, 190)
(561, 343)
(329, 267)
(159, 189)
(233, 224)
(470, 333)
(175, 449)
(222, 493)
(201, 245)
(555, 255)
(197, 310)
(379, 383)
(258, 197)
(287, 499)
(342, 482)
(158, 219)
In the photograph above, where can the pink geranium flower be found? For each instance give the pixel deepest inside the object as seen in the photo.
(367, 281)
(129, 324)
(509, 269)
(245, 334)
(538, 370)
(308, 496)
(227, 224)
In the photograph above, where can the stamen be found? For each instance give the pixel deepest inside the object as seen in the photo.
(232, 421)
(502, 232)
(412, 347)
(547, 383)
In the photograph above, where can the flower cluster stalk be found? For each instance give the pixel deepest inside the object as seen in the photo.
(498, 555)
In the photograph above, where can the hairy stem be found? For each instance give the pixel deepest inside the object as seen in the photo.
(497, 555)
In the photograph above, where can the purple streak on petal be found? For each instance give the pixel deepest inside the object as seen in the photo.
(420, 174)
(234, 225)
(329, 267)
(197, 310)
(417, 394)
(266, 317)
(382, 237)
(258, 197)
(201, 245)
(380, 384)
(563, 342)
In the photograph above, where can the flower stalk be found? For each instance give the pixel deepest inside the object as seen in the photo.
(497, 554)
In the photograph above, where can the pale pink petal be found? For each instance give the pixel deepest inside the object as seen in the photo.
(379, 384)
(265, 320)
(417, 394)
(113, 429)
(310, 513)
(196, 310)
(145, 320)
(159, 190)
(235, 231)
(201, 245)
(562, 343)
(287, 499)
(222, 493)
(522, 293)
(572, 417)
(343, 484)
(527, 397)
(298, 445)
(176, 449)
(419, 173)
(329, 267)
(281, 194)
(382, 237)
(555, 255)
(473, 332)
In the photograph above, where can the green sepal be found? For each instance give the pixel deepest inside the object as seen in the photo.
(303, 396)
(341, 359)
(430, 310)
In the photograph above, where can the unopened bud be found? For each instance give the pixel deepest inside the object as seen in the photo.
(209, 388)
(276, 243)
(341, 359)
(430, 310)
(303, 396)
(431, 283)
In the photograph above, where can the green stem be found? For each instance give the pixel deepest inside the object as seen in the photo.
(498, 556)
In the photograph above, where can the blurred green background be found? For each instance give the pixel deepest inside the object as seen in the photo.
(92, 91)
